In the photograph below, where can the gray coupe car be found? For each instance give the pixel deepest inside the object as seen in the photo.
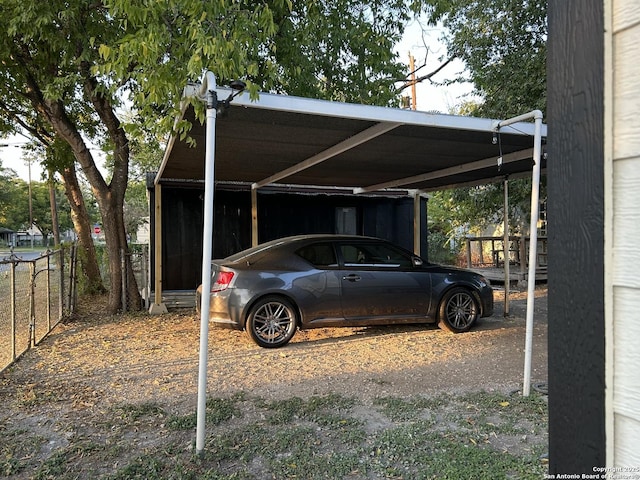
(313, 281)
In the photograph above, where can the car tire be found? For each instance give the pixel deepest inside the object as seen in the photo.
(272, 322)
(458, 310)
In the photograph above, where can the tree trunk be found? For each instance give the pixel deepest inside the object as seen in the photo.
(111, 201)
(82, 224)
(117, 246)
(110, 197)
(54, 209)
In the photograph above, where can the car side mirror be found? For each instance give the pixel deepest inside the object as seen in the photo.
(417, 261)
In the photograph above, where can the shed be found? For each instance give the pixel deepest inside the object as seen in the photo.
(287, 165)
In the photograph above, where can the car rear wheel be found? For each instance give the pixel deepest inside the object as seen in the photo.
(458, 310)
(272, 322)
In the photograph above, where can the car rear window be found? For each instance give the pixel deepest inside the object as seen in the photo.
(263, 247)
(319, 255)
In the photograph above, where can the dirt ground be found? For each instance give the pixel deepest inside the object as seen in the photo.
(63, 393)
(95, 361)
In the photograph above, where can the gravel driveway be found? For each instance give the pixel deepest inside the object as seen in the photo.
(140, 358)
(65, 402)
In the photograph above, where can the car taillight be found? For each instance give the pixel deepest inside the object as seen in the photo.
(222, 281)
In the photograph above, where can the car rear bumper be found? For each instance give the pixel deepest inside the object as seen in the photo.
(218, 311)
(221, 311)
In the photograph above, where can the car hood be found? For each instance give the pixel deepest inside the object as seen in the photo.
(435, 268)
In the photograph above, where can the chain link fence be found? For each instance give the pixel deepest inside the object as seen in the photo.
(139, 258)
(138, 255)
(37, 291)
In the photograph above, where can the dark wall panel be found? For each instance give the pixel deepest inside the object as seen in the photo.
(183, 221)
(282, 215)
(576, 236)
(279, 215)
(232, 223)
(403, 224)
(393, 221)
(377, 218)
(182, 237)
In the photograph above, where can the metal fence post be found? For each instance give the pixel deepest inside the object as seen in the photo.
(72, 274)
(123, 275)
(32, 305)
(48, 288)
(61, 286)
(13, 311)
(68, 299)
(145, 279)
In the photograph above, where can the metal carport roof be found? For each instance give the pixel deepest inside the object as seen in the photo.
(314, 142)
(298, 141)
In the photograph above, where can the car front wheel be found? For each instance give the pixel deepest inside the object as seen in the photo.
(458, 310)
(272, 322)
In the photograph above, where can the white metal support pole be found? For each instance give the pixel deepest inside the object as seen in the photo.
(533, 234)
(533, 251)
(208, 88)
(505, 249)
(254, 217)
(417, 222)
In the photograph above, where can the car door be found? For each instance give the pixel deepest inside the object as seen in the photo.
(317, 290)
(381, 284)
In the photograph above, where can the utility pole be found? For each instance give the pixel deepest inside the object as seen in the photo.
(30, 206)
(412, 69)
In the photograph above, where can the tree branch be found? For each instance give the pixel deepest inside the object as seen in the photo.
(104, 108)
(55, 113)
(409, 82)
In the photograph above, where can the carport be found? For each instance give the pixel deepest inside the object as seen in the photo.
(298, 142)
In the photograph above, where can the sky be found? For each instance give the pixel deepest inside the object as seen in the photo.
(11, 157)
(429, 97)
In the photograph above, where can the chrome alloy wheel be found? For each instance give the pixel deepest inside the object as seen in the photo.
(272, 322)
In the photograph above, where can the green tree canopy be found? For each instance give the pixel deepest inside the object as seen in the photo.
(503, 44)
(14, 204)
(72, 64)
(339, 50)
(10, 200)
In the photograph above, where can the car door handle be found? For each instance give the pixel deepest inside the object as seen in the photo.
(352, 278)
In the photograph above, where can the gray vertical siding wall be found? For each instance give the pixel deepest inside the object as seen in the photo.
(623, 226)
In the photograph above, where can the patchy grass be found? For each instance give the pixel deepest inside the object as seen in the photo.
(478, 435)
(105, 401)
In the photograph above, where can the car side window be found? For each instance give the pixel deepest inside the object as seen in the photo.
(319, 255)
(374, 255)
